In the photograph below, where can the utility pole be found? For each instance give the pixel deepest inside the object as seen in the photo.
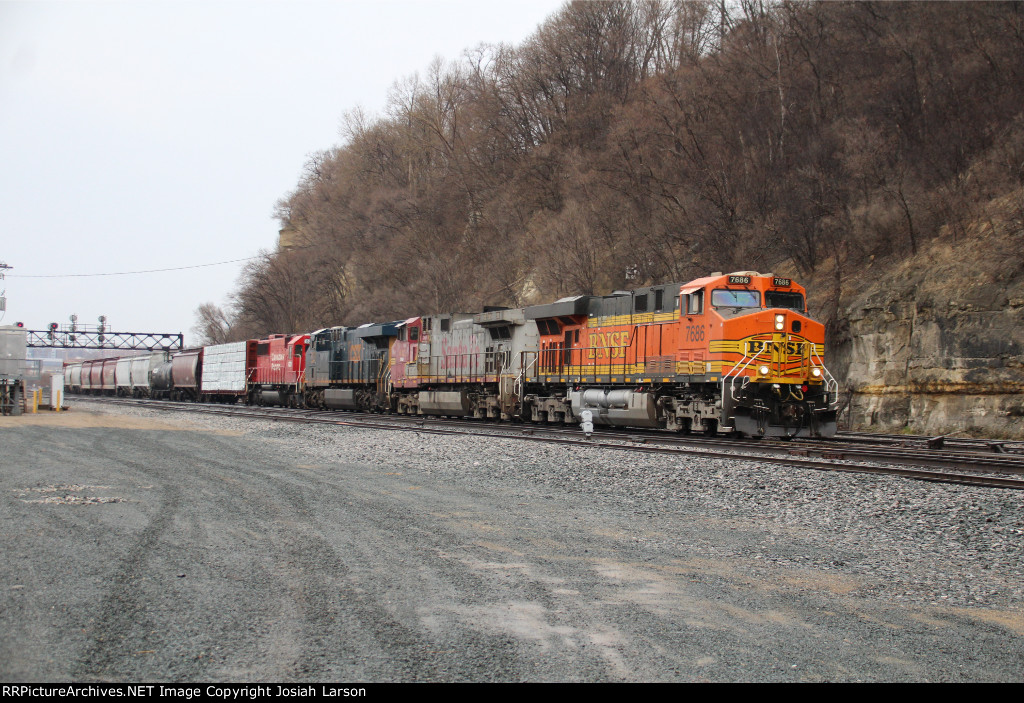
(3, 300)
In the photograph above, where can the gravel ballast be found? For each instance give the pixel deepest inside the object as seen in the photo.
(403, 555)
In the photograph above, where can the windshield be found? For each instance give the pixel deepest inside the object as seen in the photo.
(781, 299)
(736, 298)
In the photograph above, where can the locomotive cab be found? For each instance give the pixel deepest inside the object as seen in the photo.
(769, 354)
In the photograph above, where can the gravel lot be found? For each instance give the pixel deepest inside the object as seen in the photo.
(154, 545)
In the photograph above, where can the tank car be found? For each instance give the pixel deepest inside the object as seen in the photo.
(160, 380)
(734, 353)
(176, 375)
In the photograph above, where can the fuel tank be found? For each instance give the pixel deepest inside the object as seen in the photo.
(620, 408)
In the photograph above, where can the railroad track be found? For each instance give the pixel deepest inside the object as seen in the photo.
(914, 459)
(969, 444)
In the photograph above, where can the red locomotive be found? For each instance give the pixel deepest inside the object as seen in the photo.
(280, 374)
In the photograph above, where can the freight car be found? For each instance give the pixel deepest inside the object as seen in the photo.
(92, 376)
(73, 378)
(270, 371)
(186, 373)
(123, 376)
(227, 371)
(177, 376)
(108, 370)
(142, 368)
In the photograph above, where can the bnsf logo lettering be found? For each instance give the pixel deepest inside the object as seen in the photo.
(612, 339)
(790, 348)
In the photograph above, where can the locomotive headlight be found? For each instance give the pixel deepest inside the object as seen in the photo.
(763, 370)
(780, 322)
(816, 372)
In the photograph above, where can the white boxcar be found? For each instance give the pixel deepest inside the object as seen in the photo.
(227, 368)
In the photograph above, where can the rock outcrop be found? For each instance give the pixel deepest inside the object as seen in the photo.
(936, 344)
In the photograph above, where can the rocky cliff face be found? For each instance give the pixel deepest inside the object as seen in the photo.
(936, 345)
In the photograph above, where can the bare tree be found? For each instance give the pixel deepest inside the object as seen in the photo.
(213, 325)
(666, 138)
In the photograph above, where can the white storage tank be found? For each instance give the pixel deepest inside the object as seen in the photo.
(12, 351)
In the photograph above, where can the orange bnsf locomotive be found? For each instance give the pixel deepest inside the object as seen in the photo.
(733, 353)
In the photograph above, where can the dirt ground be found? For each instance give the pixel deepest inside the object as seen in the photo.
(81, 419)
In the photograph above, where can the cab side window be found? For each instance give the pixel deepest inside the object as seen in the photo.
(696, 303)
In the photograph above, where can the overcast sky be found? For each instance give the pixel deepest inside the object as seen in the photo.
(151, 135)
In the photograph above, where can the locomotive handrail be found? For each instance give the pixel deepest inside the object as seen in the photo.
(831, 384)
(558, 366)
(737, 370)
(470, 367)
(520, 381)
(383, 379)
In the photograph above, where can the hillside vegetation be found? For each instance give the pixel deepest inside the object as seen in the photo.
(628, 143)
